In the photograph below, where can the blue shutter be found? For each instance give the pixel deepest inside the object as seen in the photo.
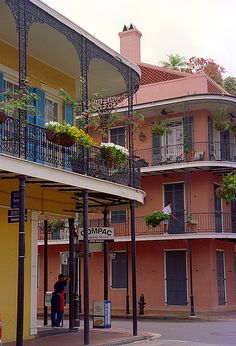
(224, 145)
(30, 116)
(1, 98)
(68, 118)
(40, 122)
(210, 139)
(156, 149)
(188, 134)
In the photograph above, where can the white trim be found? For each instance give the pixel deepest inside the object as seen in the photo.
(10, 74)
(181, 165)
(34, 267)
(35, 170)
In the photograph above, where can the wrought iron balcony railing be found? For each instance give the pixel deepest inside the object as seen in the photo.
(215, 222)
(36, 148)
(198, 151)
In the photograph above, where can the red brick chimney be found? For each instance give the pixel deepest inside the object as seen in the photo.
(130, 43)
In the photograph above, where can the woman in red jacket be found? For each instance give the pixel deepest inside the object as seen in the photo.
(57, 302)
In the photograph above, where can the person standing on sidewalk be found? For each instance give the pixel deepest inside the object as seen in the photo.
(57, 301)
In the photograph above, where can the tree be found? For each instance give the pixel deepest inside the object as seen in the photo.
(207, 66)
(175, 62)
(229, 84)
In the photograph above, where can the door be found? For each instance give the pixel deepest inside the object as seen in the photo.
(218, 211)
(220, 269)
(176, 279)
(175, 193)
(172, 150)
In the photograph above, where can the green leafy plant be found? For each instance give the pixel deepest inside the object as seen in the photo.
(188, 147)
(221, 119)
(159, 128)
(56, 225)
(113, 154)
(227, 189)
(76, 135)
(18, 100)
(156, 218)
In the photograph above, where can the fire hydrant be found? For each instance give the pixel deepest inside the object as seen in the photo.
(141, 304)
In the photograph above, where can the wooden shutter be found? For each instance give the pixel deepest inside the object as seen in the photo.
(210, 138)
(156, 149)
(68, 118)
(1, 98)
(119, 270)
(188, 133)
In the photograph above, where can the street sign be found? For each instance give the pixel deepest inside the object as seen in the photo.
(15, 199)
(98, 233)
(13, 215)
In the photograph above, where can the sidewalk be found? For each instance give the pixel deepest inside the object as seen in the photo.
(99, 337)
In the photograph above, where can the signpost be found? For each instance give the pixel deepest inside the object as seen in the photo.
(98, 234)
(13, 214)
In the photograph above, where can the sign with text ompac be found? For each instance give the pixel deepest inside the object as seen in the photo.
(98, 233)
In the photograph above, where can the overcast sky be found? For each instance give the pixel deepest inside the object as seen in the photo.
(202, 28)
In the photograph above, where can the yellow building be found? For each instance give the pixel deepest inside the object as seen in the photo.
(41, 45)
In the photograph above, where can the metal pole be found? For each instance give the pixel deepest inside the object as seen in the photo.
(76, 295)
(21, 260)
(80, 310)
(191, 278)
(105, 257)
(133, 243)
(71, 272)
(127, 279)
(45, 309)
(86, 268)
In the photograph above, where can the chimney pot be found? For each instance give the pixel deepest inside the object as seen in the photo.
(130, 43)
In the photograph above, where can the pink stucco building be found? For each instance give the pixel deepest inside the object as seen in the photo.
(193, 267)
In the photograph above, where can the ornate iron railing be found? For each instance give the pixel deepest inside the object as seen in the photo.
(198, 223)
(37, 148)
(199, 151)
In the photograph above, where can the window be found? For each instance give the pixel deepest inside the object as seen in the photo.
(51, 110)
(119, 270)
(117, 136)
(9, 86)
(118, 216)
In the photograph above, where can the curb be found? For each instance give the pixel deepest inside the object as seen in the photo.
(128, 340)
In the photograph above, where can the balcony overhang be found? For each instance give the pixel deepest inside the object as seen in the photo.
(184, 236)
(187, 103)
(103, 195)
(220, 168)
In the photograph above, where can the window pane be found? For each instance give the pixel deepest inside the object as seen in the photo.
(117, 136)
(51, 110)
(118, 216)
(119, 270)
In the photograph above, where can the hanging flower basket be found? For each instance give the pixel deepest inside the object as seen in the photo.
(156, 218)
(3, 117)
(114, 155)
(59, 138)
(221, 119)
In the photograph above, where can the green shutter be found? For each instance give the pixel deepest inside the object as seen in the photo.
(188, 134)
(156, 149)
(210, 138)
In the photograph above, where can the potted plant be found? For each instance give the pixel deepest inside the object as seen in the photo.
(227, 189)
(156, 218)
(66, 135)
(114, 155)
(221, 119)
(19, 100)
(55, 226)
(159, 127)
(192, 223)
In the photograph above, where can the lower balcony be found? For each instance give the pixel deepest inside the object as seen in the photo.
(29, 142)
(199, 151)
(200, 223)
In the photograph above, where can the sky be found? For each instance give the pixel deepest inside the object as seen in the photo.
(201, 28)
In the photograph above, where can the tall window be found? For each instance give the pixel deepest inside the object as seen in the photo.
(117, 136)
(118, 216)
(10, 86)
(119, 270)
(51, 110)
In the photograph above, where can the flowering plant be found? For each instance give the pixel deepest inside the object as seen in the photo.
(75, 134)
(21, 99)
(221, 119)
(114, 154)
(156, 218)
(227, 189)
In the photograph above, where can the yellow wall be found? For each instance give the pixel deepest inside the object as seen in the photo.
(37, 72)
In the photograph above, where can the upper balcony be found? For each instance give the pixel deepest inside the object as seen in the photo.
(204, 154)
(203, 225)
(75, 158)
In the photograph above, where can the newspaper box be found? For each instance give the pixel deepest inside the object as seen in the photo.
(48, 297)
(102, 314)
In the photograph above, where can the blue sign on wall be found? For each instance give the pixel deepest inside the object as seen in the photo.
(13, 215)
(15, 199)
